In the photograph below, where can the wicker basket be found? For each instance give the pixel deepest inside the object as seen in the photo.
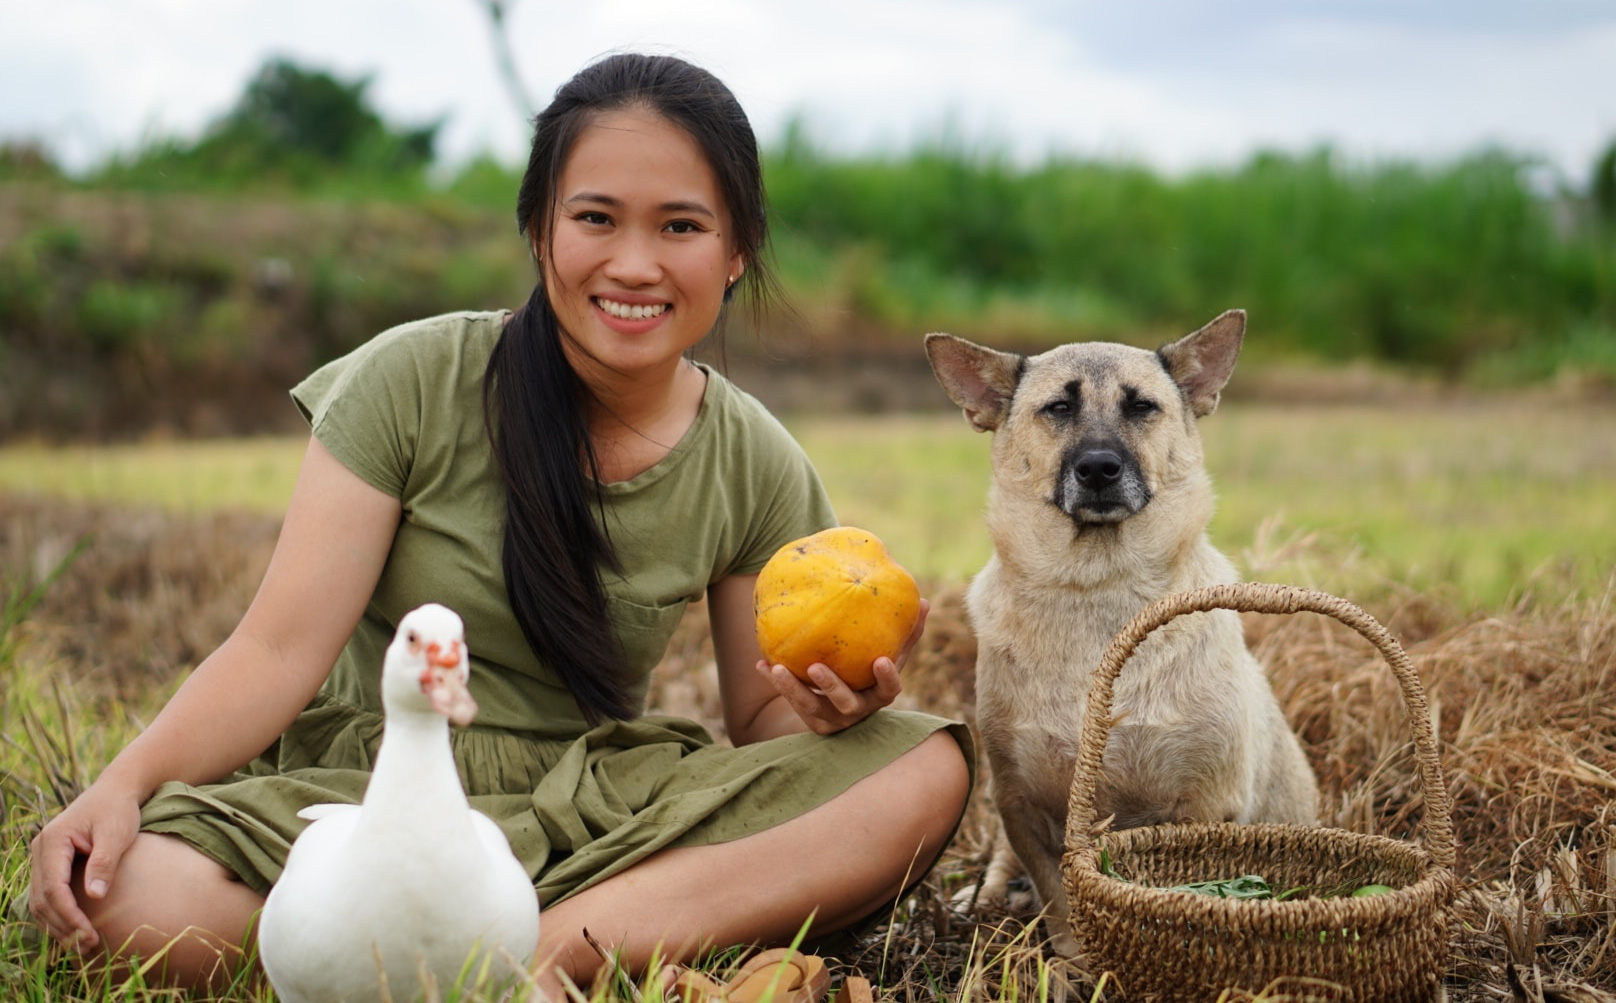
(1172, 945)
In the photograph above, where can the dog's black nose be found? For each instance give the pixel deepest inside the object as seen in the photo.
(1098, 468)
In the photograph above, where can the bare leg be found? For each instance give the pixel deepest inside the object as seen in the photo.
(170, 899)
(839, 862)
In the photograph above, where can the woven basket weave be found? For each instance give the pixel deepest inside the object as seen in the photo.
(1168, 945)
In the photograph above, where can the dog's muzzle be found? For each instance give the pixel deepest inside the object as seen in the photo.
(1100, 483)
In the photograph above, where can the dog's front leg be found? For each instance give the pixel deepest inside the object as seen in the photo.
(1002, 868)
(1038, 840)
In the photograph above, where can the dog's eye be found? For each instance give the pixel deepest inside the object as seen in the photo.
(1140, 407)
(1058, 409)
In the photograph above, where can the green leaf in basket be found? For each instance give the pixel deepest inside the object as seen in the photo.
(1247, 886)
(1106, 868)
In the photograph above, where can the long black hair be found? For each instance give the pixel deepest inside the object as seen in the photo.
(533, 400)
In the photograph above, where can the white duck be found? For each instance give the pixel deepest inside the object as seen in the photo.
(412, 883)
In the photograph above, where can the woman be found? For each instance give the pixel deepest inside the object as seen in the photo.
(567, 480)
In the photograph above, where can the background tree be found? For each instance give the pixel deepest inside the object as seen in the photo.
(291, 125)
(1602, 188)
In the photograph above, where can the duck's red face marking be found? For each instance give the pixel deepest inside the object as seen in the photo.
(447, 656)
(439, 660)
(443, 680)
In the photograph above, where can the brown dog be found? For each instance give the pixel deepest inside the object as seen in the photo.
(1099, 504)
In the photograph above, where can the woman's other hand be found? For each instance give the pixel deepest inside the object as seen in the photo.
(826, 703)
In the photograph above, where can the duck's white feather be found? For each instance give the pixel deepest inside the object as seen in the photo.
(315, 812)
(413, 880)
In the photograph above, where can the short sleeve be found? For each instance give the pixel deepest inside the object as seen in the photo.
(366, 407)
(794, 503)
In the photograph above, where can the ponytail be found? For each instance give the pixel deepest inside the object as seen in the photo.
(554, 548)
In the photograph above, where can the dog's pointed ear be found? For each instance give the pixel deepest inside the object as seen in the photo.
(1201, 363)
(980, 380)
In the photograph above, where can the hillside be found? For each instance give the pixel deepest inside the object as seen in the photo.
(128, 314)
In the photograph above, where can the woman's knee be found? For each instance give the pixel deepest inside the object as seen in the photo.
(168, 899)
(934, 780)
(919, 804)
(946, 772)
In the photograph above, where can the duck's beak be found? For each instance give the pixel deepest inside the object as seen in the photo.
(444, 683)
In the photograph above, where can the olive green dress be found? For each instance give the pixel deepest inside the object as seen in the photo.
(404, 411)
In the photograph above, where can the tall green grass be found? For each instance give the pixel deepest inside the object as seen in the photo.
(1430, 265)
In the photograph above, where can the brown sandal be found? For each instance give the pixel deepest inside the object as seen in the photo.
(781, 975)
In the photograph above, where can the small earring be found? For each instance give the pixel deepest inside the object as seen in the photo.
(729, 281)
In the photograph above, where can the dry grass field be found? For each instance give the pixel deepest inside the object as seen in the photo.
(1522, 685)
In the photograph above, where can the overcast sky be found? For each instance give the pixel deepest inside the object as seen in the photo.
(1173, 83)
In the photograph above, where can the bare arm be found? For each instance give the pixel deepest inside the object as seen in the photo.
(334, 541)
(765, 701)
(753, 708)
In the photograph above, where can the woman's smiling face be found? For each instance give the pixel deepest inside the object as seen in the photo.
(640, 252)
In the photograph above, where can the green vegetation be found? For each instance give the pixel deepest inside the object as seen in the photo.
(252, 475)
(1435, 267)
(300, 223)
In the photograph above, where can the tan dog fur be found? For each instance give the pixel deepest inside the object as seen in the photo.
(1098, 505)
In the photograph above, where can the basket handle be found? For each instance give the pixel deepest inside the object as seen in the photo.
(1253, 597)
